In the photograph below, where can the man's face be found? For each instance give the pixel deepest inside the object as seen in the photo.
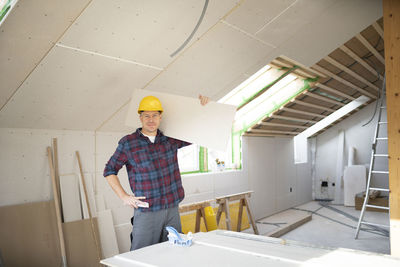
(150, 121)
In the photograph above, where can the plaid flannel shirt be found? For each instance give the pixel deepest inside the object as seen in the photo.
(152, 168)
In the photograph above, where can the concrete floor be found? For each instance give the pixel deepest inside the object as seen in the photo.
(327, 228)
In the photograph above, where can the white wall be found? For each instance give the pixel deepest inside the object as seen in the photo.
(269, 164)
(354, 136)
(268, 169)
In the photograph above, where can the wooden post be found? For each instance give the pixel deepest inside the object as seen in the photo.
(224, 207)
(391, 23)
(57, 175)
(58, 211)
(88, 206)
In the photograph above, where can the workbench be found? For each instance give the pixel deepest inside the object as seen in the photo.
(226, 248)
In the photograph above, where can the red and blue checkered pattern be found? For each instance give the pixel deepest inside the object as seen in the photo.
(152, 168)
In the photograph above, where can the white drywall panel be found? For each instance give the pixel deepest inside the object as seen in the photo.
(356, 136)
(108, 239)
(147, 32)
(260, 12)
(110, 198)
(259, 161)
(24, 165)
(73, 90)
(106, 144)
(354, 182)
(90, 195)
(100, 203)
(122, 215)
(123, 232)
(303, 189)
(285, 173)
(210, 64)
(342, 21)
(116, 122)
(198, 183)
(29, 32)
(70, 198)
(186, 119)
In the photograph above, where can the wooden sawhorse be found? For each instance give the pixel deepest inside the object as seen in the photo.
(223, 203)
(199, 208)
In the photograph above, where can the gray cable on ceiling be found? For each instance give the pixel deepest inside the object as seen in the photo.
(194, 31)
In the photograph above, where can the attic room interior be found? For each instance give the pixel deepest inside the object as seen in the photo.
(290, 157)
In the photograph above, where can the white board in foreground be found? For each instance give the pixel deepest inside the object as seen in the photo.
(224, 248)
(186, 119)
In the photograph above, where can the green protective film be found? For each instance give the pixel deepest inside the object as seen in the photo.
(249, 99)
(236, 135)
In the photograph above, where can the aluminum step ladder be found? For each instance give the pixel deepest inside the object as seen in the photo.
(373, 172)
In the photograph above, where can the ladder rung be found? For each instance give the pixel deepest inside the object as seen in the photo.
(377, 207)
(381, 138)
(382, 172)
(375, 224)
(379, 189)
(381, 155)
(383, 122)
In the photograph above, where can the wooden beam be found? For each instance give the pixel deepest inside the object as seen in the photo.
(391, 21)
(272, 131)
(334, 91)
(266, 135)
(324, 98)
(315, 72)
(362, 62)
(303, 112)
(378, 29)
(351, 72)
(345, 82)
(292, 119)
(301, 102)
(370, 48)
(283, 125)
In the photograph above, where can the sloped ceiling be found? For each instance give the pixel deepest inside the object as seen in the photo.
(72, 65)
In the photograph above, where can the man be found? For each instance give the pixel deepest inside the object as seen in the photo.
(154, 177)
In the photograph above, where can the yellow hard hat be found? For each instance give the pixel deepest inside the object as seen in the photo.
(150, 103)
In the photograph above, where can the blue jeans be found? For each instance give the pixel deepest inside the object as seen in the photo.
(149, 227)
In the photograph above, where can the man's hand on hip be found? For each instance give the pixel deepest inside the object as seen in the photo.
(132, 201)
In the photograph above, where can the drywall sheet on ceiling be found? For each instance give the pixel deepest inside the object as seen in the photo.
(186, 119)
(300, 140)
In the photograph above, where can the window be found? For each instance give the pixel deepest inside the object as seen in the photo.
(188, 158)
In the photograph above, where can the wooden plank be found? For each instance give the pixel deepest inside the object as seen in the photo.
(88, 206)
(303, 112)
(234, 197)
(378, 29)
(271, 131)
(289, 227)
(58, 209)
(240, 215)
(334, 91)
(345, 82)
(283, 125)
(227, 215)
(370, 48)
(194, 206)
(71, 203)
(300, 102)
(250, 214)
(57, 174)
(266, 135)
(351, 72)
(315, 72)
(292, 119)
(391, 21)
(324, 98)
(362, 62)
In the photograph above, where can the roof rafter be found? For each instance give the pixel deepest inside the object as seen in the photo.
(362, 62)
(323, 98)
(349, 71)
(345, 82)
(292, 119)
(370, 48)
(283, 125)
(303, 103)
(303, 112)
(334, 91)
